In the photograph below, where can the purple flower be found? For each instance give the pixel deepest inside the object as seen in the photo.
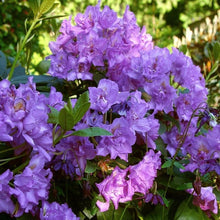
(6, 204)
(206, 200)
(120, 144)
(114, 188)
(32, 185)
(143, 174)
(121, 185)
(5, 129)
(98, 38)
(162, 95)
(104, 96)
(107, 18)
(75, 153)
(154, 199)
(54, 210)
(204, 152)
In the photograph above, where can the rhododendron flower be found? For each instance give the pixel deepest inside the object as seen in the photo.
(52, 211)
(121, 185)
(104, 96)
(115, 188)
(120, 144)
(32, 185)
(6, 204)
(206, 200)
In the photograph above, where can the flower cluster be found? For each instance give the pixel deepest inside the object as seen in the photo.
(99, 39)
(206, 200)
(24, 113)
(121, 185)
(142, 95)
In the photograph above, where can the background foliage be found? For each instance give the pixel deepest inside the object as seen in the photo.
(162, 18)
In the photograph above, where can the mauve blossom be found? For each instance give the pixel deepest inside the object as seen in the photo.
(143, 174)
(54, 210)
(115, 188)
(6, 204)
(107, 18)
(99, 37)
(206, 200)
(32, 185)
(205, 152)
(104, 96)
(154, 199)
(74, 152)
(121, 185)
(120, 144)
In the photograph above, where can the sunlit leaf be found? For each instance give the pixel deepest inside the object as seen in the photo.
(81, 107)
(66, 119)
(46, 6)
(34, 5)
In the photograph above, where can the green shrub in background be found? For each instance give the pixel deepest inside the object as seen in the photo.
(202, 44)
(162, 18)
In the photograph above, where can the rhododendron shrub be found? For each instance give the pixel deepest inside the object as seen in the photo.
(134, 132)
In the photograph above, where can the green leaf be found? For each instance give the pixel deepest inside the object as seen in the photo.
(183, 48)
(43, 66)
(90, 167)
(46, 6)
(167, 164)
(213, 70)
(53, 116)
(91, 132)
(162, 129)
(161, 146)
(34, 5)
(81, 107)
(3, 65)
(118, 214)
(52, 17)
(179, 165)
(66, 119)
(173, 120)
(157, 213)
(216, 50)
(187, 211)
(19, 72)
(42, 79)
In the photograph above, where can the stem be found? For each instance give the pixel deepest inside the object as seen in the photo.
(180, 144)
(122, 215)
(11, 158)
(21, 48)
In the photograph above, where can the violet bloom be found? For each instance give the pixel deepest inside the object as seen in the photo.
(75, 153)
(107, 18)
(115, 188)
(5, 129)
(121, 185)
(120, 144)
(6, 204)
(104, 96)
(206, 200)
(204, 151)
(98, 37)
(154, 199)
(143, 174)
(54, 210)
(32, 185)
